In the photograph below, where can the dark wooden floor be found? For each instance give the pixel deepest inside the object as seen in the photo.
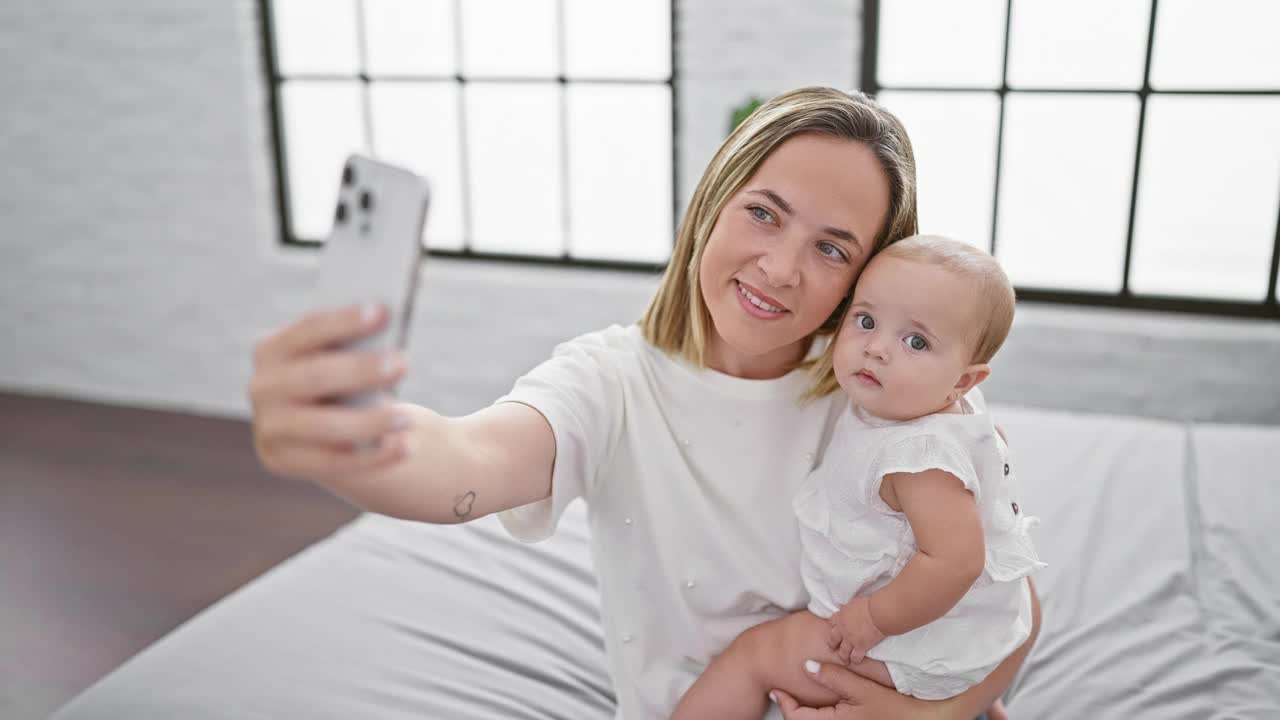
(118, 524)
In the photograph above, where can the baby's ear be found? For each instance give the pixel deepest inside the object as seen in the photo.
(971, 378)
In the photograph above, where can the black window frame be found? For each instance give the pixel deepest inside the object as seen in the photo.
(1269, 307)
(275, 80)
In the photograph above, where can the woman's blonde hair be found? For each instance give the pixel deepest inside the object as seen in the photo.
(677, 320)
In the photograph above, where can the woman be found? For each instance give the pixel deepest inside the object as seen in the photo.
(686, 433)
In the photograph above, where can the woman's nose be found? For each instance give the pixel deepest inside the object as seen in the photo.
(781, 265)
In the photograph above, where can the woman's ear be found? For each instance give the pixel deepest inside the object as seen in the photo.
(971, 378)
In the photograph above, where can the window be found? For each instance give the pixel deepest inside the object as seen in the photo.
(1109, 152)
(545, 126)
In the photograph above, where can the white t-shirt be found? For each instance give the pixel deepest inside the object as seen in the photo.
(688, 476)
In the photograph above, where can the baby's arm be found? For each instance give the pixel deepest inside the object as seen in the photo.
(948, 532)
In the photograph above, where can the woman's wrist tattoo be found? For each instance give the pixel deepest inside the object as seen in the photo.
(462, 504)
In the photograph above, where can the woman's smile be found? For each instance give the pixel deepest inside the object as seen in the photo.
(757, 304)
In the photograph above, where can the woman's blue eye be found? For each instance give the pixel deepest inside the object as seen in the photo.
(761, 214)
(831, 250)
(915, 342)
(865, 322)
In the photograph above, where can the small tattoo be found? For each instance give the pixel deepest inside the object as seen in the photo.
(462, 504)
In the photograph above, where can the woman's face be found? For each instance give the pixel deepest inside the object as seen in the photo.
(786, 248)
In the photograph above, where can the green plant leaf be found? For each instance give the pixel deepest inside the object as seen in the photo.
(743, 111)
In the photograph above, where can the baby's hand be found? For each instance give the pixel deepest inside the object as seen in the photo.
(853, 632)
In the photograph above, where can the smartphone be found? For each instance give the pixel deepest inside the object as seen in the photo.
(374, 251)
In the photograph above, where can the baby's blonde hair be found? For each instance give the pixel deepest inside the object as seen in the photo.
(994, 293)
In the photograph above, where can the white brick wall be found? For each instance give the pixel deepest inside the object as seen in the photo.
(729, 50)
(139, 257)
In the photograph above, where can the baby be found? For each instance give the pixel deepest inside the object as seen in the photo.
(914, 546)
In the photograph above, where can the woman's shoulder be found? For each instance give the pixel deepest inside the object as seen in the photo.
(593, 361)
(611, 345)
(620, 337)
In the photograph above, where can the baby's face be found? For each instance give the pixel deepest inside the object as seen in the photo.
(908, 338)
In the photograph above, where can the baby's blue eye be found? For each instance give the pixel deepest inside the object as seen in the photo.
(915, 342)
(864, 321)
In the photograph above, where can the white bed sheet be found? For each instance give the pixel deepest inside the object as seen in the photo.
(1237, 482)
(1161, 602)
(1121, 636)
(385, 619)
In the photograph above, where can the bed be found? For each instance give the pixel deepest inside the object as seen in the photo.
(1161, 601)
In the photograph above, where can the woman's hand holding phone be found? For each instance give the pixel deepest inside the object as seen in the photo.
(300, 430)
(322, 386)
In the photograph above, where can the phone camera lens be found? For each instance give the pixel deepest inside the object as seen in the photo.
(348, 175)
(366, 200)
(341, 215)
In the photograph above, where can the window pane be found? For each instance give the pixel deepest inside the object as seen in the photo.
(514, 155)
(1066, 176)
(1224, 44)
(410, 37)
(323, 123)
(617, 39)
(954, 139)
(315, 36)
(510, 38)
(941, 43)
(416, 125)
(1208, 187)
(620, 172)
(1046, 40)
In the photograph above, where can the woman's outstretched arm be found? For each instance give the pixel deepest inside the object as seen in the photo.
(395, 458)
